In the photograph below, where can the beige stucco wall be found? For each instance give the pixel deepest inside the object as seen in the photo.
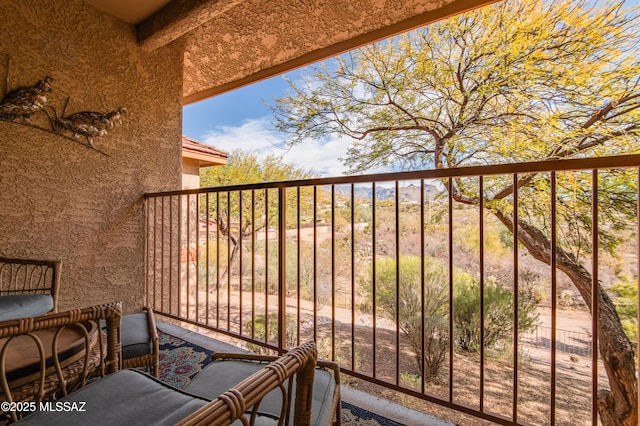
(60, 199)
(190, 173)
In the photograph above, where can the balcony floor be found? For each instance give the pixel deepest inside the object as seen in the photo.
(385, 408)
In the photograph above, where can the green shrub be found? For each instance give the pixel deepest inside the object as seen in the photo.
(258, 328)
(436, 330)
(498, 309)
(626, 304)
(498, 315)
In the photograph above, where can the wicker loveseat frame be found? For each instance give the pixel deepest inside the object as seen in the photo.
(28, 287)
(126, 396)
(54, 377)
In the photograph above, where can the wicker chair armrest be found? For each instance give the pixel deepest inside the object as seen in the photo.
(234, 403)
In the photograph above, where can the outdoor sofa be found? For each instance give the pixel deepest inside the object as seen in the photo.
(94, 390)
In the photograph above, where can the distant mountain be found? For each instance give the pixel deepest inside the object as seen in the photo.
(409, 193)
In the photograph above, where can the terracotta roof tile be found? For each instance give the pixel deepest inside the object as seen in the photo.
(208, 155)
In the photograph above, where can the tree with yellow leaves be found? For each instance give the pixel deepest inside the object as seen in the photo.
(518, 81)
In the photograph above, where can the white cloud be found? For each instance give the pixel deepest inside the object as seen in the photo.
(322, 157)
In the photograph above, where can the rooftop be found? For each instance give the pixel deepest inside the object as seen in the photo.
(207, 154)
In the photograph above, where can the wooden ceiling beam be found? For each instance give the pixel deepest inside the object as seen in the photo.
(178, 18)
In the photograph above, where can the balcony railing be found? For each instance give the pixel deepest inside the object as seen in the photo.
(275, 264)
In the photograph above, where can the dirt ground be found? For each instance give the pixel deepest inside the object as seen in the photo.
(573, 379)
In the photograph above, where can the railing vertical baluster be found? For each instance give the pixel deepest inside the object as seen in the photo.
(595, 295)
(208, 281)
(482, 304)
(554, 319)
(148, 256)
(373, 274)
(450, 242)
(171, 254)
(282, 269)
(240, 264)
(397, 254)
(266, 265)
(197, 265)
(162, 258)
(353, 278)
(333, 272)
(155, 250)
(228, 260)
(253, 264)
(315, 263)
(422, 266)
(179, 290)
(516, 300)
(188, 251)
(298, 265)
(217, 260)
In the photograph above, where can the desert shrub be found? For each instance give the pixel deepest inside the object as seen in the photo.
(498, 315)
(412, 318)
(257, 326)
(343, 355)
(498, 309)
(626, 304)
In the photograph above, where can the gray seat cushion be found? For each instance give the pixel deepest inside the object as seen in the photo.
(136, 340)
(127, 397)
(14, 306)
(218, 376)
(134, 335)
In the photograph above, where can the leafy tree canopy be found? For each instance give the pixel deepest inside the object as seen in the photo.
(518, 81)
(246, 167)
(251, 211)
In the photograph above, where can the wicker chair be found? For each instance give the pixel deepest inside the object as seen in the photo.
(230, 368)
(246, 397)
(28, 287)
(36, 364)
(133, 397)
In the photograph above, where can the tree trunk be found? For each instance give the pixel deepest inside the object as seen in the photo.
(232, 258)
(619, 406)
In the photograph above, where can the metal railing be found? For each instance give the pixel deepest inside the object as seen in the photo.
(567, 341)
(275, 264)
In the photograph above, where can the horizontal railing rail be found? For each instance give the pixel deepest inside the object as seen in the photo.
(488, 170)
(410, 280)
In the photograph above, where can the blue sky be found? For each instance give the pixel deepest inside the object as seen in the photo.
(233, 108)
(240, 119)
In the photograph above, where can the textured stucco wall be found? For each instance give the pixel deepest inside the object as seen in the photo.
(259, 37)
(60, 199)
(190, 173)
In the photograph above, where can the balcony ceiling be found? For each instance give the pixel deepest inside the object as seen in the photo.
(231, 43)
(129, 11)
